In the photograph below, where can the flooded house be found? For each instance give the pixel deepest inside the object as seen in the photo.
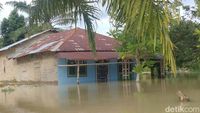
(64, 57)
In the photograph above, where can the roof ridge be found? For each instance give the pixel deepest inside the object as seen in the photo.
(73, 32)
(64, 39)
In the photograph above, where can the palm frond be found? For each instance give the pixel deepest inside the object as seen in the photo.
(76, 10)
(198, 7)
(147, 19)
(21, 6)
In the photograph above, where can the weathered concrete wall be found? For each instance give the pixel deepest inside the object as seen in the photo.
(41, 67)
(7, 69)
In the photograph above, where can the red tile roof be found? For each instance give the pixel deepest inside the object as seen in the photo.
(73, 44)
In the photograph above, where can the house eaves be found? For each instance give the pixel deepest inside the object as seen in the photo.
(22, 41)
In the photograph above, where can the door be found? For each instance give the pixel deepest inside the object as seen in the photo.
(124, 70)
(102, 73)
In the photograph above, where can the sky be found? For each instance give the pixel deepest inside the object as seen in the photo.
(102, 25)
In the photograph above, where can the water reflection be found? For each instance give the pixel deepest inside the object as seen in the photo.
(151, 96)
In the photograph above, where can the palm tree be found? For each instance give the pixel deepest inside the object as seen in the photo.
(147, 19)
(21, 6)
(198, 7)
(26, 8)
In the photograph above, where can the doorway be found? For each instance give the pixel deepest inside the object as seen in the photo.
(124, 70)
(102, 72)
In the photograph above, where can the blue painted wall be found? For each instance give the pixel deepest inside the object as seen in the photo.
(64, 79)
(113, 71)
(113, 74)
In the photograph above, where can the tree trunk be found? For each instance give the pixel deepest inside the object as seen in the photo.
(137, 64)
(137, 77)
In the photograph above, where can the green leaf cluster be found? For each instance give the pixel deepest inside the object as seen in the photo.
(132, 47)
(16, 27)
(148, 20)
(12, 29)
(185, 36)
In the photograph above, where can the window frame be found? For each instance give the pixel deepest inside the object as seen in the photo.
(75, 73)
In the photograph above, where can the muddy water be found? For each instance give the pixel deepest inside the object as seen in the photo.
(148, 96)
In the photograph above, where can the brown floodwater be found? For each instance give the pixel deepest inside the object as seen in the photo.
(147, 96)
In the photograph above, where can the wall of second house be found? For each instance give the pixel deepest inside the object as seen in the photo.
(91, 73)
(7, 68)
(41, 67)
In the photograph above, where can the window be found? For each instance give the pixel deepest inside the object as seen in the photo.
(72, 70)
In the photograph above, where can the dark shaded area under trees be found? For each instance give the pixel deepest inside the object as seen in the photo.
(187, 52)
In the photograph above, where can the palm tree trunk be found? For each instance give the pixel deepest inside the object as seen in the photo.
(137, 64)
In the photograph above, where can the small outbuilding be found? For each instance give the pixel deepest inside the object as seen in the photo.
(64, 57)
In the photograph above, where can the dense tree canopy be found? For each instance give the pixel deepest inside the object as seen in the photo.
(186, 41)
(12, 28)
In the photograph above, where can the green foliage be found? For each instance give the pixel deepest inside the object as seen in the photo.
(12, 29)
(139, 68)
(143, 66)
(148, 20)
(36, 28)
(28, 9)
(132, 47)
(21, 6)
(1, 42)
(185, 37)
(197, 32)
(198, 7)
